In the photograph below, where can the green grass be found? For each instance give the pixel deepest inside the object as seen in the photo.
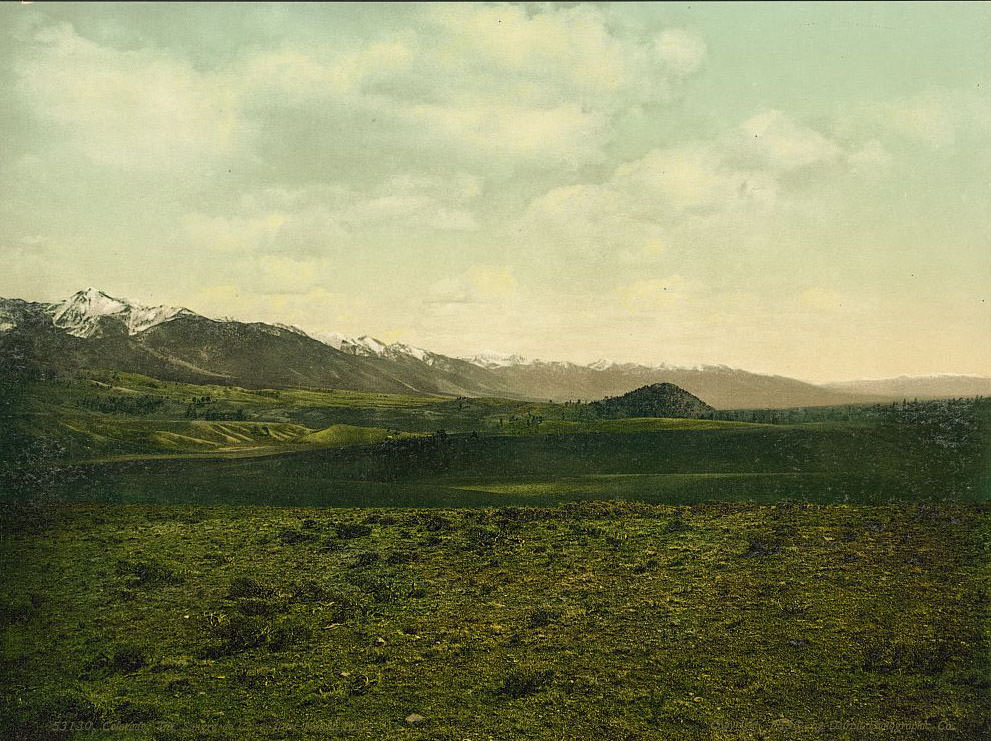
(593, 621)
(324, 569)
(344, 435)
(636, 424)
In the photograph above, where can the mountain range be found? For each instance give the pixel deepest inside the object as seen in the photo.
(92, 329)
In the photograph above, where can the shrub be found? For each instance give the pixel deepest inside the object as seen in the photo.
(367, 558)
(349, 530)
(144, 573)
(134, 712)
(433, 523)
(245, 586)
(524, 681)
(128, 658)
(542, 617)
(762, 544)
(288, 633)
(308, 591)
(230, 634)
(481, 538)
(293, 537)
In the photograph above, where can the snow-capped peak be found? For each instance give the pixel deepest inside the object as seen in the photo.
(81, 313)
(602, 364)
(490, 359)
(371, 347)
(402, 348)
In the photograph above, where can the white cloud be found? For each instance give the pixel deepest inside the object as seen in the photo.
(479, 284)
(870, 158)
(735, 187)
(130, 110)
(320, 219)
(779, 142)
(681, 50)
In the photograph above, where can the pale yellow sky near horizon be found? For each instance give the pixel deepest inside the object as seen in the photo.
(796, 188)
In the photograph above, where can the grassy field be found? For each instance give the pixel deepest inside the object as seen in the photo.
(591, 621)
(208, 562)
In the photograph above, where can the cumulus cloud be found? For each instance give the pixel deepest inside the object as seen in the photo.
(128, 109)
(479, 284)
(935, 118)
(320, 219)
(527, 84)
(774, 139)
(681, 50)
(735, 182)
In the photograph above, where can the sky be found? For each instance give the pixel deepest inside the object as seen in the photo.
(800, 189)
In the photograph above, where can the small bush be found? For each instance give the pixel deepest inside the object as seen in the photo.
(128, 658)
(245, 587)
(433, 523)
(349, 530)
(125, 659)
(523, 682)
(542, 617)
(367, 558)
(294, 537)
(481, 538)
(345, 606)
(230, 634)
(288, 633)
(135, 712)
(644, 566)
(762, 544)
(144, 573)
(308, 591)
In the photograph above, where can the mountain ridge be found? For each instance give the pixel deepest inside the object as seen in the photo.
(94, 329)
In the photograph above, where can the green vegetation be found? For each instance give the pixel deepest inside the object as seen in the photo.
(600, 620)
(206, 562)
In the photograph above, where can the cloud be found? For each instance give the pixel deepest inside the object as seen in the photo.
(320, 219)
(936, 118)
(872, 157)
(127, 109)
(776, 141)
(479, 284)
(738, 185)
(681, 50)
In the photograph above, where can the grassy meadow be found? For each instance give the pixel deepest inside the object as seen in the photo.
(207, 562)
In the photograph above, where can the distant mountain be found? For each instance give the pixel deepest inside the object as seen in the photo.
(919, 387)
(92, 329)
(655, 400)
(95, 330)
(92, 313)
(719, 385)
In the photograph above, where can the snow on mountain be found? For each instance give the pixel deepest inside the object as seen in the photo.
(399, 348)
(490, 359)
(368, 346)
(82, 313)
(291, 328)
